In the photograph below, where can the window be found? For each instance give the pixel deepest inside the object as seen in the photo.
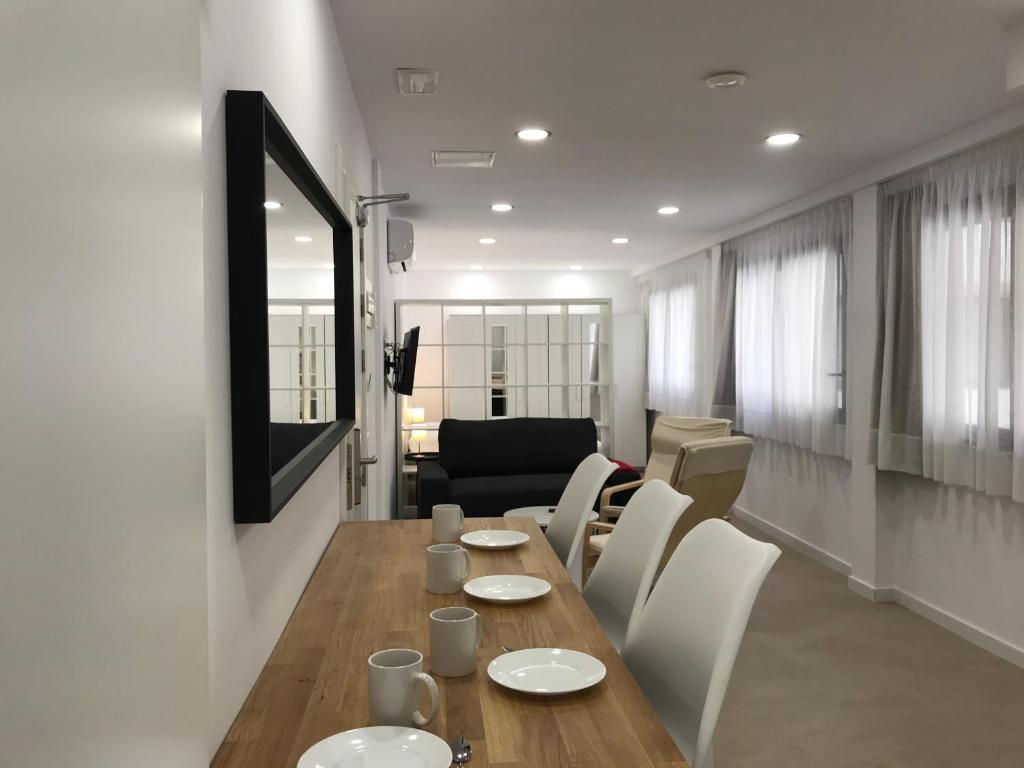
(789, 328)
(945, 404)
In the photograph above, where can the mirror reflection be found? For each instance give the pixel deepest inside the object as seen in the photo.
(300, 307)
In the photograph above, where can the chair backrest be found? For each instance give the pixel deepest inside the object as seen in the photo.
(568, 523)
(712, 473)
(621, 581)
(669, 433)
(682, 648)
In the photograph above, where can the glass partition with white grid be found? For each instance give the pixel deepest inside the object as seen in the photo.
(504, 359)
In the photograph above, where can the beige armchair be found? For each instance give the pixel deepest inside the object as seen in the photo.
(669, 433)
(711, 472)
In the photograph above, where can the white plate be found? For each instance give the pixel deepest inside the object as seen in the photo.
(494, 539)
(381, 746)
(546, 671)
(506, 589)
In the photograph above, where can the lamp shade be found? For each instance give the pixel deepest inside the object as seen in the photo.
(418, 435)
(417, 415)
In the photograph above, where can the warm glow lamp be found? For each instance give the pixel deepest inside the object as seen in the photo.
(418, 436)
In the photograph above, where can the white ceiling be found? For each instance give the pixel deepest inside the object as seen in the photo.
(620, 85)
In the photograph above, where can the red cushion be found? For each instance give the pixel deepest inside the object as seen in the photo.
(624, 465)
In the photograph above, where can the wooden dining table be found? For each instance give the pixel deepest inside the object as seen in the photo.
(369, 593)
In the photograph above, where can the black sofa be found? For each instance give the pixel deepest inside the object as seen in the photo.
(490, 467)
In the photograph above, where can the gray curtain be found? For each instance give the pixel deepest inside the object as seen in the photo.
(897, 405)
(723, 401)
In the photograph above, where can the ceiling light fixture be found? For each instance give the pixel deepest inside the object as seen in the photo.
(303, 239)
(533, 134)
(271, 205)
(576, 267)
(502, 207)
(475, 267)
(620, 240)
(668, 210)
(782, 139)
(487, 241)
(725, 80)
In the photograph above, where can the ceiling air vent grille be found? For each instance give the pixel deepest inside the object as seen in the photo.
(459, 159)
(417, 82)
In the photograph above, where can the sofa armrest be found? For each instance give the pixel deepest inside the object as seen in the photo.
(431, 487)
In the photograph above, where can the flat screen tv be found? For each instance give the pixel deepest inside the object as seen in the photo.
(405, 365)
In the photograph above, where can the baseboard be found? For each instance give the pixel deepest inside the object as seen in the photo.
(969, 632)
(816, 553)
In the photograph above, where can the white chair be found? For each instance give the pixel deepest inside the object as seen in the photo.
(568, 523)
(682, 648)
(621, 581)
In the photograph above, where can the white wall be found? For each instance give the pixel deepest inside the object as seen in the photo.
(288, 49)
(102, 550)
(948, 553)
(617, 285)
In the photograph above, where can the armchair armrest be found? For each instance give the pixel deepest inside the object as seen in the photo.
(431, 487)
(607, 493)
(604, 527)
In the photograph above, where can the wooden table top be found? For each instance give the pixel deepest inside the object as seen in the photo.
(369, 593)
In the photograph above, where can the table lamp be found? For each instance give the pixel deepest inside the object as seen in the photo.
(417, 436)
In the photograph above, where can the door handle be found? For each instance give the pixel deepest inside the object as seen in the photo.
(367, 460)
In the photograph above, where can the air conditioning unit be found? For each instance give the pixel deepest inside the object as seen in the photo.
(401, 246)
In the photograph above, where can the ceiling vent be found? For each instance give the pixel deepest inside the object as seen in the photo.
(417, 82)
(448, 158)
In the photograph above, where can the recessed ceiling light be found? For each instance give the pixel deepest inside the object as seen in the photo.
(303, 239)
(271, 205)
(533, 134)
(576, 267)
(475, 267)
(502, 207)
(782, 139)
(668, 210)
(487, 241)
(620, 240)
(725, 80)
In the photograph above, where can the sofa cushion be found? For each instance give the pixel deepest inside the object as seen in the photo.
(528, 446)
(493, 496)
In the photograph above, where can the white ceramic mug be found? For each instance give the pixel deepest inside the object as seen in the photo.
(448, 520)
(395, 675)
(447, 568)
(455, 635)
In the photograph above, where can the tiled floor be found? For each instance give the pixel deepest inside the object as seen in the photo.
(827, 679)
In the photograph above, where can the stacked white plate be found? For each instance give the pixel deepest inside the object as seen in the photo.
(506, 589)
(381, 746)
(546, 671)
(498, 539)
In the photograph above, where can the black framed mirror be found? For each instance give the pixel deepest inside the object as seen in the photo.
(292, 348)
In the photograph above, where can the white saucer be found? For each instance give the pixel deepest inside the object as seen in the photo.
(506, 589)
(500, 539)
(382, 746)
(546, 671)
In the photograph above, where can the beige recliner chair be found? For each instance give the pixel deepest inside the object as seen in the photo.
(711, 472)
(669, 433)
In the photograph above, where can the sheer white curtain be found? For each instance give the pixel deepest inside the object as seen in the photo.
(677, 323)
(948, 273)
(789, 332)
